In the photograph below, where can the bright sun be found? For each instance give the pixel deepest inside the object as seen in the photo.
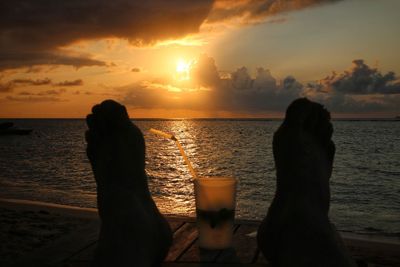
(183, 69)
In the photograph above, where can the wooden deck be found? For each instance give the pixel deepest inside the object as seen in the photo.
(186, 252)
(77, 250)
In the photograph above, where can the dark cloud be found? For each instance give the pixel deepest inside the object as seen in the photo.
(343, 103)
(37, 82)
(359, 89)
(10, 85)
(241, 92)
(32, 32)
(255, 11)
(77, 82)
(11, 58)
(43, 93)
(277, 20)
(6, 87)
(135, 69)
(34, 69)
(204, 72)
(359, 80)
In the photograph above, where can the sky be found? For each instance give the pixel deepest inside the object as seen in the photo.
(199, 59)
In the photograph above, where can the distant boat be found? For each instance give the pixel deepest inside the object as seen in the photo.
(8, 128)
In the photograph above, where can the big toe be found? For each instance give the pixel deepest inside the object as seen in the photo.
(110, 115)
(311, 117)
(107, 116)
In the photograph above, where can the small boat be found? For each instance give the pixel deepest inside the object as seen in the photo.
(8, 128)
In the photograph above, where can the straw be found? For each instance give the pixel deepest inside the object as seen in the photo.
(172, 137)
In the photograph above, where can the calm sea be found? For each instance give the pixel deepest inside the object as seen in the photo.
(51, 165)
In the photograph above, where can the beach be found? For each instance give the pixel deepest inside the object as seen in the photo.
(47, 234)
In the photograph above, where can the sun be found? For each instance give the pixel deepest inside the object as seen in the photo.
(183, 69)
(182, 66)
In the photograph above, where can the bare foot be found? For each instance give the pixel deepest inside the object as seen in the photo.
(297, 230)
(133, 231)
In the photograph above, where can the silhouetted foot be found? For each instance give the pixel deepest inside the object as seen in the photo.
(297, 230)
(133, 231)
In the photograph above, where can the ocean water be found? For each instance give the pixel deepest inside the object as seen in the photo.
(51, 165)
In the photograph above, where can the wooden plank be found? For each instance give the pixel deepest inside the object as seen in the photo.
(87, 253)
(261, 258)
(211, 264)
(183, 264)
(183, 239)
(175, 224)
(373, 250)
(244, 246)
(57, 252)
(197, 254)
(76, 264)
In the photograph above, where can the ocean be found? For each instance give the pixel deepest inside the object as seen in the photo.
(51, 165)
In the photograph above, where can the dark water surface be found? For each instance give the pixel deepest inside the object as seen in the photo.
(51, 165)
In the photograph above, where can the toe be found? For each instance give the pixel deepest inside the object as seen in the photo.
(111, 115)
(298, 112)
(96, 108)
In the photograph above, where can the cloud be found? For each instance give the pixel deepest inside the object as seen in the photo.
(19, 57)
(10, 85)
(208, 91)
(37, 32)
(37, 82)
(343, 103)
(277, 20)
(33, 32)
(135, 69)
(359, 89)
(77, 82)
(358, 80)
(43, 93)
(6, 87)
(204, 72)
(240, 91)
(256, 11)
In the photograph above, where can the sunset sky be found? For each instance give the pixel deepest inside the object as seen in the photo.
(202, 58)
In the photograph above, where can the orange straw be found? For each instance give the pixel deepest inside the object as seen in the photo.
(172, 137)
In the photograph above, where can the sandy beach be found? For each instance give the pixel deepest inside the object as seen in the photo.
(31, 230)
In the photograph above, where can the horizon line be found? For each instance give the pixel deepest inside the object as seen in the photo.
(202, 118)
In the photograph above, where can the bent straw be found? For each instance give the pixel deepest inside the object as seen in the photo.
(172, 137)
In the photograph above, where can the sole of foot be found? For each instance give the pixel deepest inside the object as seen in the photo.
(297, 230)
(133, 231)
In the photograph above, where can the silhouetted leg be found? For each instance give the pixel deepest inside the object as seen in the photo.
(297, 230)
(133, 231)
